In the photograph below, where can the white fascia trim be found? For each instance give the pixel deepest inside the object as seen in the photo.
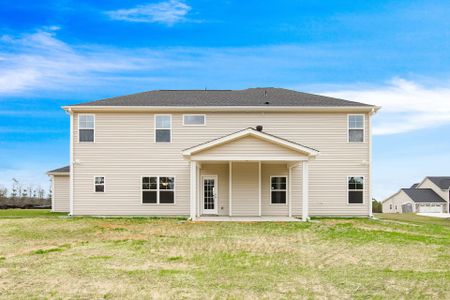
(224, 108)
(58, 173)
(250, 132)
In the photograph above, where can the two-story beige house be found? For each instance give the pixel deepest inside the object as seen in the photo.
(253, 152)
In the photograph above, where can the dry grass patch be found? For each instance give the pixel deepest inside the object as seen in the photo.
(90, 258)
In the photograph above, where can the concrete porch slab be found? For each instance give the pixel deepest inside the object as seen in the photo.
(246, 219)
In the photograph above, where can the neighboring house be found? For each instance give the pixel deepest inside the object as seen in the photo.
(252, 152)
(432, 195)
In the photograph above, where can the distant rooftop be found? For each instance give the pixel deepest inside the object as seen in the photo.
(441, 181)
(262, 97)
(423, 195)
(65, 169)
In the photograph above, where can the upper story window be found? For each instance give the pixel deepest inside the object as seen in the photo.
(86, 128)
(163, 128)
(278, 189)
(356, 128)
(355, 189)
(194, 120)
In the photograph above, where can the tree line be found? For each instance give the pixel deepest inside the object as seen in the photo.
(20, 195)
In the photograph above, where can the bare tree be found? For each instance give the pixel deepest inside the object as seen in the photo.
(3, 192)
(29, 191)
(16, 188)
(40, 192)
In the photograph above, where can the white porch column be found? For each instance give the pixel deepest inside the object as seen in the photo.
(290, 191)
(193, 198)
(199, 184)
(305, 188)
(230, 187)
(259, 188)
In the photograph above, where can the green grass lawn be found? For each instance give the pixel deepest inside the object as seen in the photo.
(45, 255)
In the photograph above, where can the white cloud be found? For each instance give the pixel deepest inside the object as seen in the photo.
(40, 61)
(36, 63)
(406, 105)
(167, 12)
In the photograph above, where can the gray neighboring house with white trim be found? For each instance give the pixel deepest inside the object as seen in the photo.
(252, 152)
(431, 195)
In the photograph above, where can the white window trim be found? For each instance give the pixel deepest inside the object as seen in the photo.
(195, 125)
(286, 190)
(363, 128)
(363, 190)
(157, 190)
(85, 128)
(155, 128)
(104, 184)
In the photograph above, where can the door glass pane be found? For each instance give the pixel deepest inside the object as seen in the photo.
(208, 193)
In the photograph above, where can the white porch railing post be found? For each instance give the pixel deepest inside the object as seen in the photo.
(305, 189)
(193, 200)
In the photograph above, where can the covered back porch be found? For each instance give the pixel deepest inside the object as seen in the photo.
(249, 174)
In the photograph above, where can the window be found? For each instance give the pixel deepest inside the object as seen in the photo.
(163, 128)
(194, 120)
(390, 206)
(355, 189)
(278, 189)
(86, 126)
(356, 128)
(99, 183)
(158, 190)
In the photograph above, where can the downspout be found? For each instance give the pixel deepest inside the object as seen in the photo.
(71, 180)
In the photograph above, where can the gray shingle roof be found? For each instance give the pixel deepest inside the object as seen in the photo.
(65, 169)
(247, 97)
(423, 195)
(441, 181)
(414, 185)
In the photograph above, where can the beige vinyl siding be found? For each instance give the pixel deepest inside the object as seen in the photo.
(221, 170)
(245, 189)
(398, 200)
(60, 193)
(124, 150)
(247, 146)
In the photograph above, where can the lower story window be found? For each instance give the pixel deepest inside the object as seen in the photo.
(355, 189)
(158, 190)
(278, 189)
(99, 182)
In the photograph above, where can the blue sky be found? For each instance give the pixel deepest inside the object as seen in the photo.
(391, 53)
